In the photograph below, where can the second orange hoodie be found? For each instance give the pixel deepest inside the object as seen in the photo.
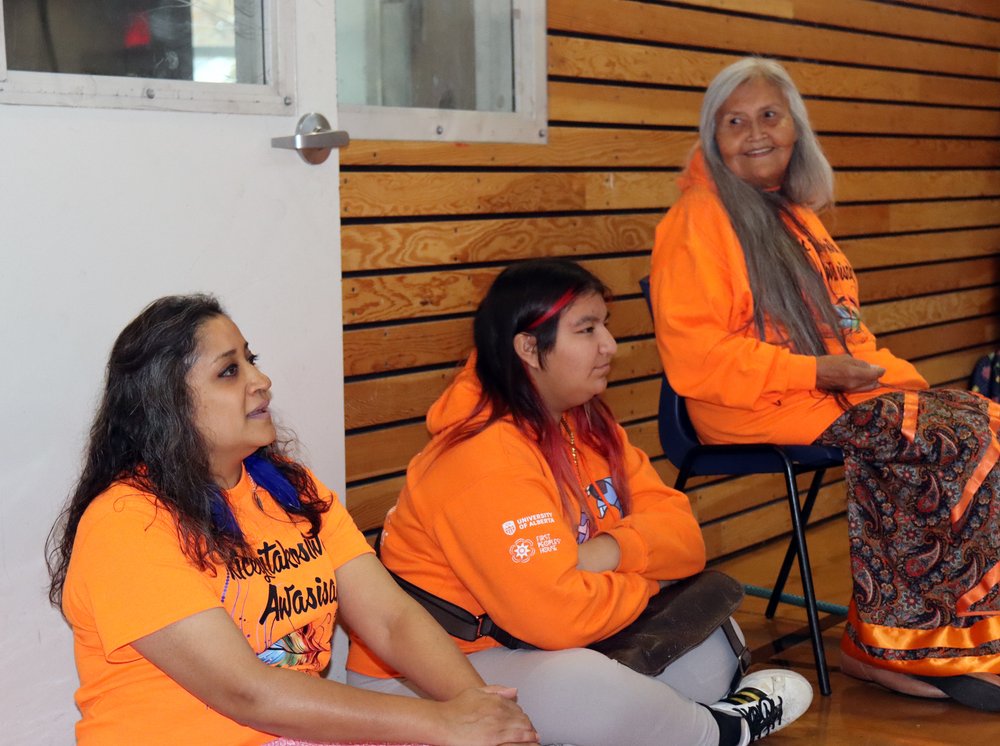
(482, 526)
(739, 388)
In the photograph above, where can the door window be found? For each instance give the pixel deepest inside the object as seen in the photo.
(205, 54)
(442, 69)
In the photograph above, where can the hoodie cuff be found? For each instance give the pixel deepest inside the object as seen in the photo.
(801, 372)
(634, 554)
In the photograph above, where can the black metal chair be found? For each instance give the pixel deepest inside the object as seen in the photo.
(692, 458)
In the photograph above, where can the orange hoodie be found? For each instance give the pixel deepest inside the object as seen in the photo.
(738, 388)
(482, 526)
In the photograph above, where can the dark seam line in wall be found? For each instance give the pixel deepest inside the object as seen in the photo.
(824, 26)
(736, 53)
(462, 217)
(487, 264)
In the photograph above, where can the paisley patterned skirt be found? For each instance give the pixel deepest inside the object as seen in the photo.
(923, 506)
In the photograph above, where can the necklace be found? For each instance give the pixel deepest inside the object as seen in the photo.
(573, 453)
(256, 498)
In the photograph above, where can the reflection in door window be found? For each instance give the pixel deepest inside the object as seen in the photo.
(458, 70)
(435, 54)
(217, 41)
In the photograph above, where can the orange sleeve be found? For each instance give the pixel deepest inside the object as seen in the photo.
(137, 580)
(703, 309)
(660, 537)
(525, 576)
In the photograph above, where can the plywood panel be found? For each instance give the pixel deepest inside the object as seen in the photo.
(381, 452)
(885, 284)
(636, 63)
(954, 367)
(916, 343)
(863, 15)
(579, 102)
(388, 297)
(694, 28)
(737, 495)
(406, 245)
(854, 220)
(610, 148)
(867, 186)
(987, 8)
(387, 451)
(382, 349)
(368, 503)
(400, 245)
(635, 400)
(392, 194)
(916, 248)
(753, 527)
(409, 296)
(406, 396)
(387, 348)
(371, 194)
(928, 152)
(892, 316)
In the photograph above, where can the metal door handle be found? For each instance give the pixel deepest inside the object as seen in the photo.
(313, 139)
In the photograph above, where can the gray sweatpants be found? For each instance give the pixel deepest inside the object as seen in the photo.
(580, 697)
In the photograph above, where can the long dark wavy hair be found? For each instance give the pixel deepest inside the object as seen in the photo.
(144, 434)
(521, 295)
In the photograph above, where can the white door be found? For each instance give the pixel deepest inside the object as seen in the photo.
(101, 211)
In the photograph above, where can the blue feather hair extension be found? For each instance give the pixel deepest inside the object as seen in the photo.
(222, 516)
(267, 475)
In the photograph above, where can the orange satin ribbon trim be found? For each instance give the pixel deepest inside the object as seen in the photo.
(986, 463)
(896, 638)
(926, 666)
(978, 593)
(992, 577)
(911, 407)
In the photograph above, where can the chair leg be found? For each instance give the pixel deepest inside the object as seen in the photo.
(682, 475)
(807, 584)
(786, 563)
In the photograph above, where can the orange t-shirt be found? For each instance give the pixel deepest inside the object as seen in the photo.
(739, 388)
(482, 526)
(128, 578)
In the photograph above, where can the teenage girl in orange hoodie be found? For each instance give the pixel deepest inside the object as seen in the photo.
(759, 328)
(531, 506)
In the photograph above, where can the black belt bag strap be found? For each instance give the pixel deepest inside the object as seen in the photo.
(677, 619)
(458, 622)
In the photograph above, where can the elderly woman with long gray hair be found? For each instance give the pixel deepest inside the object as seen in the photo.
(759, 327)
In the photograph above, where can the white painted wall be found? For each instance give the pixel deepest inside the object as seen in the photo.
(101, 211)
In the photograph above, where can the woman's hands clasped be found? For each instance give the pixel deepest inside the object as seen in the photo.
(486, 716)
(846, 373)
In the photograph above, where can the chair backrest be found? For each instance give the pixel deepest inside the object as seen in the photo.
(677, 434)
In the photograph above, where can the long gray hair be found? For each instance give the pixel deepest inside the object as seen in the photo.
(787, 290)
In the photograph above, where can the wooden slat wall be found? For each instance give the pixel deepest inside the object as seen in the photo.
(905, 96)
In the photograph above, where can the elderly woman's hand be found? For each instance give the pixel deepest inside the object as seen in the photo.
(846, 373)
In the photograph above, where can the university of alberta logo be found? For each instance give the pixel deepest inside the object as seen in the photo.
(522, 550)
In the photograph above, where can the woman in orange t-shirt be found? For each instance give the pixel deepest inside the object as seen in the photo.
(202, 569)
(759, 327)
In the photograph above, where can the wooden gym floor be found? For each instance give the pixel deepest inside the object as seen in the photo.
(856, 713)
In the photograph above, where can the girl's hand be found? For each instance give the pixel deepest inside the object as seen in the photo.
(486, 716)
